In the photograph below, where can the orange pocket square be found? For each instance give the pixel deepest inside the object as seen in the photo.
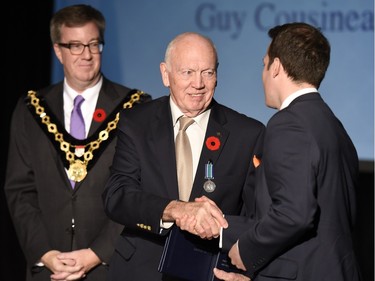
(256, 161)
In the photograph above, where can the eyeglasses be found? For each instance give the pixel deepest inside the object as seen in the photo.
(78, 48)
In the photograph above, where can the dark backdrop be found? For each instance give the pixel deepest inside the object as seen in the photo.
(26, 64)
(26, 59)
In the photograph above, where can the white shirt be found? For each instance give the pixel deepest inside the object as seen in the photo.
(295, 95)
(196, 132)
(90, 95)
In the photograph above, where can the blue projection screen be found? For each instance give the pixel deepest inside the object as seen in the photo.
(139, 30)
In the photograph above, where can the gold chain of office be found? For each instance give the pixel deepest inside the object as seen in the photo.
(77, 168)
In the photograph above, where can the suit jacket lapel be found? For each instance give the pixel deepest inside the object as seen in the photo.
(215, 128)
(162, 140)
(108, 100)
(54, 101)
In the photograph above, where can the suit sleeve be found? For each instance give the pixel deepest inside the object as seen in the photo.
(288, 183)
(21, 192)
(240, 224)
(125, 200)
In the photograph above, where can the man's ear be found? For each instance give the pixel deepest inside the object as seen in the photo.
(276, 67)
(164, 74)
(58, 54)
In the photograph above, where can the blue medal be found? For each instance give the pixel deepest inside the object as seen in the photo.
(209, 186)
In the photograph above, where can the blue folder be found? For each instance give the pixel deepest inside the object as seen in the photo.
(188, 257)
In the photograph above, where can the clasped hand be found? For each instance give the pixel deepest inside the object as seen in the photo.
(70, 265)
(204, 218)
(201, 217)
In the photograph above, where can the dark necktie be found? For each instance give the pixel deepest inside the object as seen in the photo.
(184, 160)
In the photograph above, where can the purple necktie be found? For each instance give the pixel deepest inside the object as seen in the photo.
(77, 123)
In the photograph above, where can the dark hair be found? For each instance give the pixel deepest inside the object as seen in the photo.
(75, 16)
(303, 51)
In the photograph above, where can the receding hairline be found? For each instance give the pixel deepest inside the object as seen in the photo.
(184, 36)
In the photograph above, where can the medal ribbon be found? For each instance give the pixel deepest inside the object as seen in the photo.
(209, 171)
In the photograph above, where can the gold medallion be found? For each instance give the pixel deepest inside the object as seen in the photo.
(77, 170)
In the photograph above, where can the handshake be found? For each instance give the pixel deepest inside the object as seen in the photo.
(201, 217)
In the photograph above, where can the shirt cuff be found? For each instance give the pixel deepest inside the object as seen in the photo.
(166, 225)
(221, 238)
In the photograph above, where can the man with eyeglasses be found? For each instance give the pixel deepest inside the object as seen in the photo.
(55, 175)
(95, 47)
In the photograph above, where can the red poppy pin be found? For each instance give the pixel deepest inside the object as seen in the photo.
(213, 143)
(99, 115)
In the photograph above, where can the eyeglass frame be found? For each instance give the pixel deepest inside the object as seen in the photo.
(100, 45)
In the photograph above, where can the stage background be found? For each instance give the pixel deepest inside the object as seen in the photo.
(139, 30)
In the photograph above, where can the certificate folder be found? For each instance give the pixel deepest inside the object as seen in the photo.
(188, 257)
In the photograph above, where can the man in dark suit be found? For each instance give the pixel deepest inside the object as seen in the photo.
(143, 192)
(305, 202)
(61, 225)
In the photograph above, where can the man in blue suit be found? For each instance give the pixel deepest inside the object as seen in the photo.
(305, 198)
(142, 192)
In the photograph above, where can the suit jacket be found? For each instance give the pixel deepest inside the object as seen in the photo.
(305, 203)
(41, 200)
(143, 179)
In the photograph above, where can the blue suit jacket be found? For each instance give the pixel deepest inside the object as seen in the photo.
(144, 180)
(305, 204)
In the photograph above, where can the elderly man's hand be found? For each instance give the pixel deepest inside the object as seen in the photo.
(201, 217)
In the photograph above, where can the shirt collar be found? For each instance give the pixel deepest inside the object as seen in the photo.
(295, 95)
(201, 119)
(88, 94)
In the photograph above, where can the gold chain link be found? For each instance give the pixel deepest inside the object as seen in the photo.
(77, 168)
